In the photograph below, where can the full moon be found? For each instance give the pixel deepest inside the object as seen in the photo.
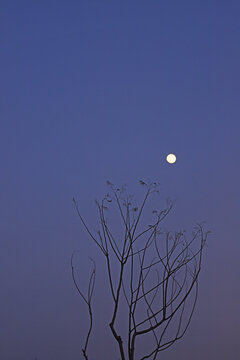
(171, 158)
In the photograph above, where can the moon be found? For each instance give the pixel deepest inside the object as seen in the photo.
(171, 158)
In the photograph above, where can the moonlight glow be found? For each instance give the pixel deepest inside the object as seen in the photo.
(171, 158)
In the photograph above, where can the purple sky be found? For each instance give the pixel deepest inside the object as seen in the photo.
(97, 90)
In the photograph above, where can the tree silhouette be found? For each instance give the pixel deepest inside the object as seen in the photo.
(157, 271)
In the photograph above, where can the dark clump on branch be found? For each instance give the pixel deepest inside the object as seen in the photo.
(164, 286)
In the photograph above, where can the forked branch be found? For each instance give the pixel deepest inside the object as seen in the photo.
(157, 272)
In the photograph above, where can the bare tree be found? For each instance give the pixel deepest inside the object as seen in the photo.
(157, 273)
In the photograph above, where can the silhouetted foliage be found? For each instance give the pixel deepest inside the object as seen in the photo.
(157, 273)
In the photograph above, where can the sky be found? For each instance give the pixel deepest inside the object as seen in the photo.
(103, 90)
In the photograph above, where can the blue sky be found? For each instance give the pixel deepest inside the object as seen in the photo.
(97, 90)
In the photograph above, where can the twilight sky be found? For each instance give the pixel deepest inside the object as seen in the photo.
(96, 90)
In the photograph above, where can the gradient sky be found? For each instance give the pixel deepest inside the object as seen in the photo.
(96, 90)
